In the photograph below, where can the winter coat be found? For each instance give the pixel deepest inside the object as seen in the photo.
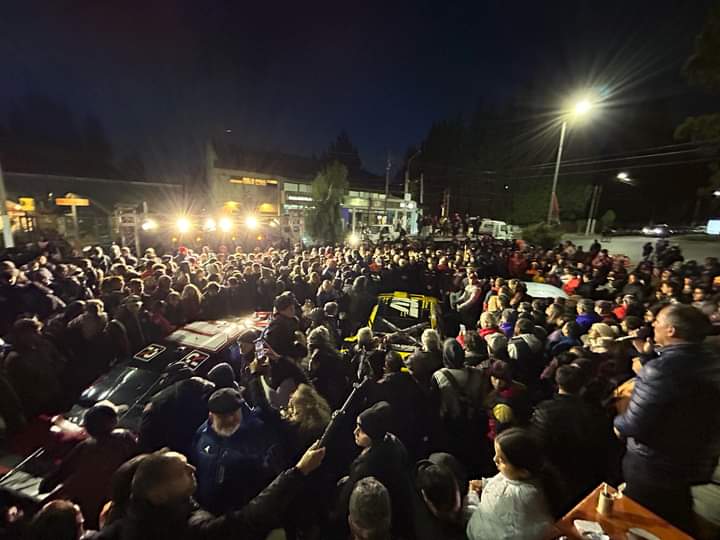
(35, 374)
(387, 461)
(586, 320)
(280, 334)
(330, 375)
(409, 409)
(188, 522)
(673, 420)
(232, 470)
(526, 358)
(423, 364)
(575, 437)
(174, 415)
(86, 472)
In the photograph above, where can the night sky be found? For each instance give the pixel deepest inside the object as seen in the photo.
(164, 75)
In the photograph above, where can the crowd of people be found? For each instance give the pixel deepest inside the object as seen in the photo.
(511, 409)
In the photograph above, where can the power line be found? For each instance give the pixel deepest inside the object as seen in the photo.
(614, 169)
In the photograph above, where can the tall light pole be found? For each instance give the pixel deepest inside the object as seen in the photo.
(581, 108)
(407, 171)
(6, 225)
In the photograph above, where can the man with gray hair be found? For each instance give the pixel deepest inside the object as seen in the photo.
(672, 423)
(370, 516)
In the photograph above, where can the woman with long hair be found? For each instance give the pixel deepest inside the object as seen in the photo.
(329, 371)
(308, 414)
(190, 302)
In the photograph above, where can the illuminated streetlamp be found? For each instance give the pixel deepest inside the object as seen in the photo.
(581, 108)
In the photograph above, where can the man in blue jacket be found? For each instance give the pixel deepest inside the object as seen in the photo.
(672, 424)
(232, 452)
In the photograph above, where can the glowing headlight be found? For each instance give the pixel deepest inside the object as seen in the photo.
(226, 224)
(251, 222)
(183, 224)
(353, 239)
(210, 224)
(149, 225)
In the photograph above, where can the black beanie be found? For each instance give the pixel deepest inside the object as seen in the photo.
(375, 421)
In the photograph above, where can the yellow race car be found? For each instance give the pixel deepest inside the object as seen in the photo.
(400, 319)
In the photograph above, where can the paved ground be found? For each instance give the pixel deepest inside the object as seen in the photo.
(632, 246)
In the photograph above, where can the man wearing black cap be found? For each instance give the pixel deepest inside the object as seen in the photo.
(384, 457)
(280, 333)
(230, 452)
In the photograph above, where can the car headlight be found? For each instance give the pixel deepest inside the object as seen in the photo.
(183, 224)
(646, 230)
(226, 224)
(149, 225)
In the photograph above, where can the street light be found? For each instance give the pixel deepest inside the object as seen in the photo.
(622, 176)
(581, 108)
(716, 193)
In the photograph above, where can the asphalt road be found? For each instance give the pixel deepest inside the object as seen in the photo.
(632, 246)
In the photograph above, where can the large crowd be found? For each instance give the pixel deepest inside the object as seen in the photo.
(510, 410)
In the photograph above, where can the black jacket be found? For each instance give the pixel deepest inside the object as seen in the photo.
(673, 418)
(387, 462)
(264, 513)
(575, 437)
(409, 410)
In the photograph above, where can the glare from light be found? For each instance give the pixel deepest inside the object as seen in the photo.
(183, 225)
(623, 176)
(251, 222)
(716, 193)
(353, 239)
(582, 107)
(149, 225)
(210, 224)
(226, 224)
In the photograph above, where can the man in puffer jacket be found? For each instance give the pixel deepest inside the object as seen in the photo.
(672, 423)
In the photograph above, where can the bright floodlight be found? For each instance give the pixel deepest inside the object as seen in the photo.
(225, 224)
(716, 193)
(210, 224)
(183, 224)
(251, 222)
(353, 239)
(149, 225)
(582, 107)
(623, 176)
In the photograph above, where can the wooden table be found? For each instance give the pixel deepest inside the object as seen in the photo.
(626, 514)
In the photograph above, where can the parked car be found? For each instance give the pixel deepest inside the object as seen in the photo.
(198, 346)
(401, 317)
(660, 230)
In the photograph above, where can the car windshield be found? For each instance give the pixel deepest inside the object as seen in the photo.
(400, 313)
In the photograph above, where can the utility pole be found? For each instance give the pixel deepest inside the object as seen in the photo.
(387, 184)
(553, 195)
(7, 227)
(407, 171)
(422, 188)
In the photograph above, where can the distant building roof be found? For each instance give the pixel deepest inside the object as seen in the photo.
(290, 166)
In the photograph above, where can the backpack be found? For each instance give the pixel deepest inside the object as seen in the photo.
(472, 396)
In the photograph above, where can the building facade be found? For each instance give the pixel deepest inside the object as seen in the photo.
(281, 188)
